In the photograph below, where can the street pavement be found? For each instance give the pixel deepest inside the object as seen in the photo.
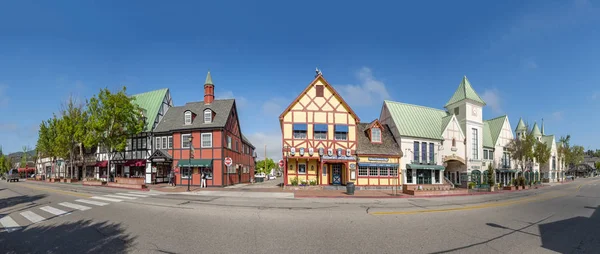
(63, 218)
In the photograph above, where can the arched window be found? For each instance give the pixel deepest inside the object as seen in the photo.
(188, 117)
(207, 116)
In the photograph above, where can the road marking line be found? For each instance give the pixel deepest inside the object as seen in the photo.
(57, 191)
(91, 202)
(107, 199)
(133, 195)
(53, 210)
(144, 193)
(31, 216)
(117, 196)
(9, 224)
(75, 206)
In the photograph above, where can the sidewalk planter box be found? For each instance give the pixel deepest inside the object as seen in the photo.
(127, 186)
(300, 187)
(53, 180)
(129, 183)
(527, 187)
(69, 180)
(93, 183)
(511, 188)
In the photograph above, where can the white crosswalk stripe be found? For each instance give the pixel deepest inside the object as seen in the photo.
(75, 206)
(107, 199)
(144, 193)
(91, 202)
(117, 196)
(31, 216)
(132, 195)
(9, 224)
(53, 210)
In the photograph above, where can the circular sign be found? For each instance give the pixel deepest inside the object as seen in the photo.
(228, 161)
(281, 163)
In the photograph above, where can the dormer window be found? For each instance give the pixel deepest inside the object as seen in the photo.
(375, 134)
(207, 116)
(188, 117)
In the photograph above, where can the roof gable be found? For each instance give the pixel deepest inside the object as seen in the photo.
(387, 146)
(495, 128)
(151, 103)
(321, 79)
(416, 121)
(463, 92)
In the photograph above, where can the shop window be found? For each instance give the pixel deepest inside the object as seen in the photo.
(302, 168)
(363, 171)
(300, 130)
(383, 171)
(394, 171)
(208, 172)
(373, 171)
(185, 172)
(409, 178)
(436, 175)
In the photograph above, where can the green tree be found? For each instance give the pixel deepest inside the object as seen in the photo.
(24, 156)
(521, 150)
(46, 139)
(564, 150)
(112, 118)
(70, 130)
(597, 165)
(490, 175)
(265, 166)
(576, 155)
(3, 168)
(541, 153)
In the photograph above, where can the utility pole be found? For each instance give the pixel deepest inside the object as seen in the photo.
(265, 158)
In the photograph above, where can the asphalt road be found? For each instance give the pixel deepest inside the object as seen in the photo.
(62, 218)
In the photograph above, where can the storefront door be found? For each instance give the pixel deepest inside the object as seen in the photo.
(336, 174)
(423, 176)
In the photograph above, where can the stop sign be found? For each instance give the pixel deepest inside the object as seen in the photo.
(281, 163)
(228, 161)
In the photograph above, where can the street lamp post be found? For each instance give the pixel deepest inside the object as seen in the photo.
(190, 162)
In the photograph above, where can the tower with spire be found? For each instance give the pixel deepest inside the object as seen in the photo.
(209, 90)
(521, 129)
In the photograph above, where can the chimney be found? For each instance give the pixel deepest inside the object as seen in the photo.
(209, 90)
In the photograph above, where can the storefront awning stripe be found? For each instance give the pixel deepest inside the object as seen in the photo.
(321, 127)
(430, 167)
(300, 127)
(341, 128)
(195, 163)
(377, 165)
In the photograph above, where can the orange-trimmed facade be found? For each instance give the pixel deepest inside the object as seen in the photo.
(319, 137)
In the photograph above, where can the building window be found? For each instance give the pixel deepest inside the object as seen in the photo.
(409, 178)
(394, 171)
(362, 171)
(491, 154)
(229, 142)
(453, 142)
(475, 144)
(164, 143)
(431, 152)
(373, 171)
(456, 111)
(143, 143)
(206, 140)
(553, 162)
(320, 131)
(207, 116)
(341, 132)
(384, 171)
(416, 152)
(170, 142)
(188, 117)
(424, 152)
(185, 140)
(301, 168)
(485, 154)
(319, 89)
(237, 146)
(375, 135)
(158, 146)
(436, 176)
(185, 172)
(299, 131)
(128, 145)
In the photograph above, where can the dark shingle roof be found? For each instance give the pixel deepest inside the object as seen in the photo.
(174, 118)
(387, 147)
(247, 141)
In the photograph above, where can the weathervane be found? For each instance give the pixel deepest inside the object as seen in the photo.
(318, 72)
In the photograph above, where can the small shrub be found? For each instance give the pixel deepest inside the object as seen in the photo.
(294, 181)
(313, 182)
(521, 180)
(471, 185)
(515, 182)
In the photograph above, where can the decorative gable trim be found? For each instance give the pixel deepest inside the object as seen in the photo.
(454, 119)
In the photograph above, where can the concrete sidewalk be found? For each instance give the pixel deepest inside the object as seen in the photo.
(238, 194)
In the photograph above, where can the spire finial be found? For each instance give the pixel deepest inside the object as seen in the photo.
(208, 79)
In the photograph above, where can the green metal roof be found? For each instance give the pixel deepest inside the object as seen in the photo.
(416, 121)
(535, 131)
(150, 102)
(495, 125)
(487, 136)
(463, 92)
(445, 122)
(548, 140)
(543, 127)
(208, 79)
(521, 125)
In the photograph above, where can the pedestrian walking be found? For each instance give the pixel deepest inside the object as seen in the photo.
(203, 182)
(172, 179)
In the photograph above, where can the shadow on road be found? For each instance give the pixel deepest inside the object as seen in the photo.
(574, 235)
(83, 236)
(16, 200)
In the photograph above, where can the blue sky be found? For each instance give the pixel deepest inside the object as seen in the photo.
(535, 59)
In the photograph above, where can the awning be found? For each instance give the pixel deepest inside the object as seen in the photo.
(195, 163)
(377, 165)
(101, 164)
(341, 128)
(300, 126)
(135, 163)
(430, 167)
(321, 127)
(26, 169)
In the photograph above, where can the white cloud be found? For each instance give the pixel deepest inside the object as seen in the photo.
(558, 115)
(240, 100)
(369, 91)
(271, 139)
(492, 99)
(3, 96)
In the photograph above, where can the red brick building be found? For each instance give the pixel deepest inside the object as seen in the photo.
(214, 129)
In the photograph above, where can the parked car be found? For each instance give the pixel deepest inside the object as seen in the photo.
(13, 175)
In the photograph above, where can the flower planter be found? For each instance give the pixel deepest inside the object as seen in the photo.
(53, 180)
(509, 188)
(308, 187)
(526, 187)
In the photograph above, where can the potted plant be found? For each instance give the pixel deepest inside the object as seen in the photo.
(471, 185)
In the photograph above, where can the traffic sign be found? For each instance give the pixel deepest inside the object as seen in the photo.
(281, 163)
(228, 161)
